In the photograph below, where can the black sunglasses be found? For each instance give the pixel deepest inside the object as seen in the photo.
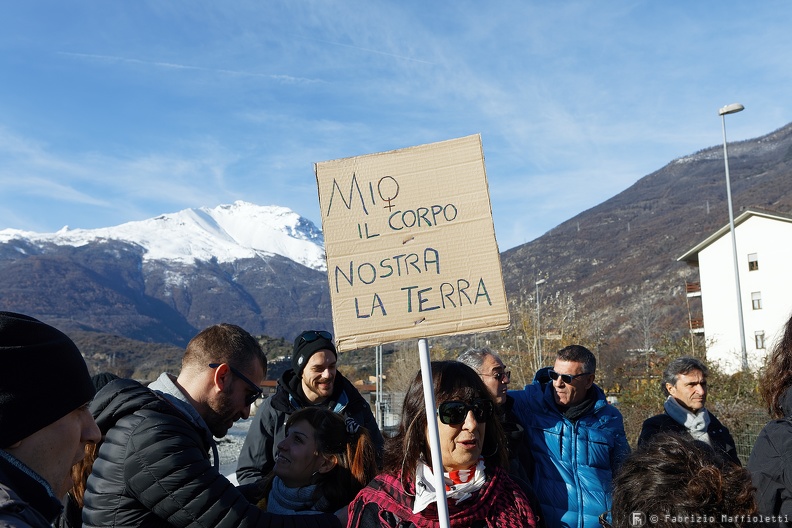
(455, 412)
(500, 376)
(566, 378)
(250, 398)
(312, 335)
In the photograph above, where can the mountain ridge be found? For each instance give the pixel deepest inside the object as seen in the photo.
(163, 279)
(225, 233)
(612, 260)
(622, 254)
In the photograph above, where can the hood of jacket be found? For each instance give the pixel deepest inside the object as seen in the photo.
(123, 397)
(542, 378)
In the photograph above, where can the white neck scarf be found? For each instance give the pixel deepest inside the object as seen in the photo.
(425, 491)
(695, 423)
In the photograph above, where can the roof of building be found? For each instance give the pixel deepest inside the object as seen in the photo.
(691, 256)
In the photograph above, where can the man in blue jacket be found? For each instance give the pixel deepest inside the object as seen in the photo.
(576, 438)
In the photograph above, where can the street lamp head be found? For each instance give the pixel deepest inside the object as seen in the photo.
(731, 109)
(540, 281)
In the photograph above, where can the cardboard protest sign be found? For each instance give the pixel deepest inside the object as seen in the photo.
(410, 244)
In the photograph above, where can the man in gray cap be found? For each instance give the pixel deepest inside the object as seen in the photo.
(312, 380)
(45, 423)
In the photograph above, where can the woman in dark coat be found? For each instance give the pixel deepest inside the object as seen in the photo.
(771, 459)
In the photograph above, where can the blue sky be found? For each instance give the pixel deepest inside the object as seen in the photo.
(116, 111)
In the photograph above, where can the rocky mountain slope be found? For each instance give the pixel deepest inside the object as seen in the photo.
(162, 280)
(620, 255)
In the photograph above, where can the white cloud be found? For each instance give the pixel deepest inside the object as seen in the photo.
(222, 101)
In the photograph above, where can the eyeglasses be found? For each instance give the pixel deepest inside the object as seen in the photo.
(566, 378)
(500, 376)
(312, 335)
(250, 398)
(455, 412)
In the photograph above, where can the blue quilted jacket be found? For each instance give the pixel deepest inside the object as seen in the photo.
(574, 462)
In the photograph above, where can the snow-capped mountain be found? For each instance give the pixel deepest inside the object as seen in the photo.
(226, 233)
(164, 279)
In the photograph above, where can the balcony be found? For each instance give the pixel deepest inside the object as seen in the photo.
(693, 289)
(697, 326)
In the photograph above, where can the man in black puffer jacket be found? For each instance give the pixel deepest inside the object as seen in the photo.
(153, 468)
(312, 380)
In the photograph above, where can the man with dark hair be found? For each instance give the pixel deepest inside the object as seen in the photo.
(312, 380)
(45, 423)
(575, 436)
(154, 466)
(685, 387)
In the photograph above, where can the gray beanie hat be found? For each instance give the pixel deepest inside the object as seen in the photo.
(42, 379)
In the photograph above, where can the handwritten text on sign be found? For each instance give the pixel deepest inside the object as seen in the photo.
(410, 244)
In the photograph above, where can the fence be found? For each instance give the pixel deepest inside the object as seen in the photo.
(746, 431)
(744, 426)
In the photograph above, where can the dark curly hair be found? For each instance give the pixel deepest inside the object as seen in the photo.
(673, 475)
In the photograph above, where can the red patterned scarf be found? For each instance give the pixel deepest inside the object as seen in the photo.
(499, 504)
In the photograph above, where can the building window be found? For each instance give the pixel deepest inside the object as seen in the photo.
(759, 336)
(756, 300)
(753, 262)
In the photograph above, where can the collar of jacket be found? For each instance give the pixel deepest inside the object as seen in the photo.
(29, 487)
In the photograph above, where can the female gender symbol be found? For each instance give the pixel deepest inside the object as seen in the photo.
(395, 191)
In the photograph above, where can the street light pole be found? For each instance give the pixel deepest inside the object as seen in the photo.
(733, 109)
(538, 326)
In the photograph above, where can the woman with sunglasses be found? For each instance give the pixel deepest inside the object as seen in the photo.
(479, 491)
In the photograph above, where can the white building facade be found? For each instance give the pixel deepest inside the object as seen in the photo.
(764, 252)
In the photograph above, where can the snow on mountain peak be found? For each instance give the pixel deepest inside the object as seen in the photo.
(226, 233)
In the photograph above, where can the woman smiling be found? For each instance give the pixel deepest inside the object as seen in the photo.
(321, 464)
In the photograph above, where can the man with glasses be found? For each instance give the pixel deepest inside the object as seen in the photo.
(312, 380)
(489, 366)
(158, 464)
(576, 439)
